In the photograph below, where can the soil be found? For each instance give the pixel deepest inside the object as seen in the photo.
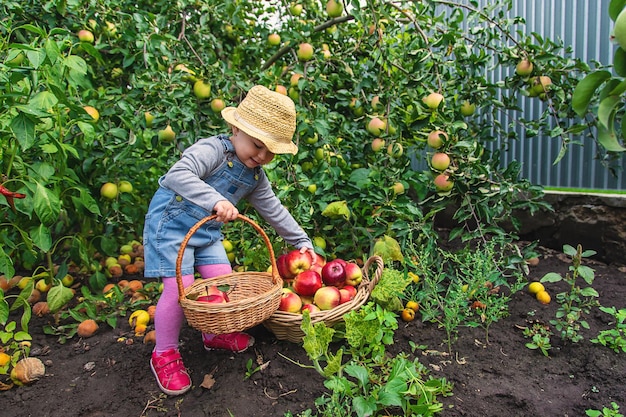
(103, 376)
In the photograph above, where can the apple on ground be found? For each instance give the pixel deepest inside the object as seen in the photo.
(306, 283)
(333, 273)
(297, 261)
(354, 274)
(290, 301)
(327, 298)
(311, 308)
(347, 293)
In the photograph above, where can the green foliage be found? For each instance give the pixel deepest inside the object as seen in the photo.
(605, 412)
(56, 154)
(389, 288)
(601, 95)
(466, 288)
(15, 339)
(613, 338)
(369, 381)
(539, 334)
(577, 301)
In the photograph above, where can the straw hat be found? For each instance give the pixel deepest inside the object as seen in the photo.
(267, 116)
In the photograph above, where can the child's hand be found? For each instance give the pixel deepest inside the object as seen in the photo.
(311, 252)
(225, 211)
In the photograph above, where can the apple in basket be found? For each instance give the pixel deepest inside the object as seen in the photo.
(318, 262)
(354, 275)
(347, 293)
(290, 301)
(307, 283)
(297, 261)
(281, 266)
(327, 298)
(333, 273)
(214, 295)
(311, 308)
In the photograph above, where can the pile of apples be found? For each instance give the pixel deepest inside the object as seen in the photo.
(313, 284)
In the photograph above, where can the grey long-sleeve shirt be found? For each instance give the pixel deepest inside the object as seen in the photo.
(186, 178)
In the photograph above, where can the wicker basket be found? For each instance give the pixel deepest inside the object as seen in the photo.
(286, 326)
(253, 296)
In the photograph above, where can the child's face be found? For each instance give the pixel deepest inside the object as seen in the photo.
(251, 151)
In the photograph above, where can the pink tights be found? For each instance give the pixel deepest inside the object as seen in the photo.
(169, 316)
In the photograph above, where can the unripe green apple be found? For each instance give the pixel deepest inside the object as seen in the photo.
(398, 188)
(334, 8)
(85, 36)
(305, 52)
(539, 85)
(524, 68)
(202, 90)
(376, 126)
(149, 118)
(395, 150)
(16, 60)
(293, 93)
(125, 187)
(109, 190)
(167, 134)
(312, 188)
(433, 100)
(467, 108)
(619, 30)
(440, 161)
(376, 104)
(295, 9)
(273, 39)
(436, 139)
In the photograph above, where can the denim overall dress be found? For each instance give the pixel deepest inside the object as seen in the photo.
(170, 217)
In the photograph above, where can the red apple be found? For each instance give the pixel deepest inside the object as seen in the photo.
(333, 273)
(346, 294)
(297, 261)
(306, 283)
(290, 301)
(354, 275)
(283, 270)
(214, 295)
(318, 262)
(327, 298)
(311, 308)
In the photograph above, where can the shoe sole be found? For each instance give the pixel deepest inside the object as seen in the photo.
(165, 390)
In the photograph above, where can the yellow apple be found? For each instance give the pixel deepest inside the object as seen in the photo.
(109, 190)
(305, 51)
(93, 112)
(202, 90)
(273, 39)
(167, 134)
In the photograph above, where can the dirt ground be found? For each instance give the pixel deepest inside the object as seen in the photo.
(101, 376)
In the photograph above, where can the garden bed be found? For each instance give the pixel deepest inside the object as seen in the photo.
(108, 374)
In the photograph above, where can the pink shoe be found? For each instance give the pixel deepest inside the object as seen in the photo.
(170, 373)
(235, 342)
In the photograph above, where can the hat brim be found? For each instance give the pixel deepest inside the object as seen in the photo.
(230, 115)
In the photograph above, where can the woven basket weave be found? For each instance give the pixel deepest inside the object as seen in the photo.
(286, 326)
(253, 296)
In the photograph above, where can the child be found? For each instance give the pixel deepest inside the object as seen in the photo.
(210, 178)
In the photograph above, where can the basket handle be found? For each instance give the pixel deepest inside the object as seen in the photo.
(378, 261)
(195, 227)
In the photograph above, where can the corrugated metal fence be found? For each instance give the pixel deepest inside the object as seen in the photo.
(585, 26)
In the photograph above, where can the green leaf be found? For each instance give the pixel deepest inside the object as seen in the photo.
(585, 90)
(316, 337)
(47, 205)
(359, 373)
(615, 8)
(619, 62)
(6, 264)
(58, 296)
(551, 277)
(608, 139)
(23, 128)
(364, 406)
(586, 273)
(4, 309)
(337, 209)
(607, 110)
(589, 292)
(41, 237)
(569, 250)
